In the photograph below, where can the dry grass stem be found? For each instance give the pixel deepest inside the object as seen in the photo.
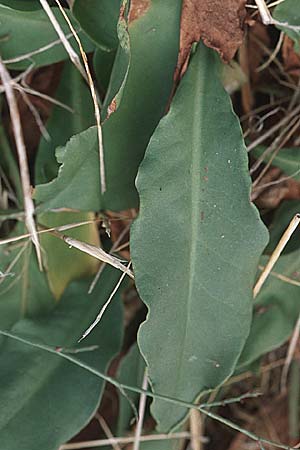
(69, 49)
(127, 440)
(282, 277)
(98, 253)
(107, 431)
(281, 123)
(66, 227)
(276, 253)
(273, 54)
(104, 307)
(22, 157)
(94, 98)
(142, 408)
(196, 427)
(290, 354)
(35, 52)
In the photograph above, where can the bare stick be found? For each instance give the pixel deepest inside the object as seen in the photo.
(290, 354)
(142, 408)
(22, 156)
(104, 307)
(277, 252)
(94, 97)
(69, 49)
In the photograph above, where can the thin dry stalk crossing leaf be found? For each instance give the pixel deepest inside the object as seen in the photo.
(22, 156)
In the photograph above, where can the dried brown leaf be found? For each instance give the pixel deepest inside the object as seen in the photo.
(137, 9)
(219, 23)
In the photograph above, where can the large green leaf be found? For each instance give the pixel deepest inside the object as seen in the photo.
(196, 243)
(276, 310)
(74, 93)
(154, 47)
(99, 20)
(288, 12)
(27, 31)
(45, 400)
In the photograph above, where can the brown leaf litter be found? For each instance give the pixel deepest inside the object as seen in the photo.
(219, 23)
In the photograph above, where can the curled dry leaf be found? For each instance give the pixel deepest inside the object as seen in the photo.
(219, 23)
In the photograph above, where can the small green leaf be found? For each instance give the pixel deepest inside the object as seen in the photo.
(277, 308)
(288, 12)
(44, 396)
(28, 31)
(74, 93)
(196, 243)
(64, 264)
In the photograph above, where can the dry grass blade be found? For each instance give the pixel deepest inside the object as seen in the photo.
(107, 431)
(22, 156)
(277, 252)
(127, 440)
(290, 354)
(69, 49)
(66, 227)
(104, 307)
(98, 253)
(282, 277)
(94, 97)
(142, 408)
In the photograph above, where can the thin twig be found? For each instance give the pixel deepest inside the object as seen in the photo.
(142, 408)
(90, 81)
(104, 307)
(290, 354)
(276, 253)
(22, 157)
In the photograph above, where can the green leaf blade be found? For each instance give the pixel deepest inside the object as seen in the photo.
(46, 397)
(193, 267)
